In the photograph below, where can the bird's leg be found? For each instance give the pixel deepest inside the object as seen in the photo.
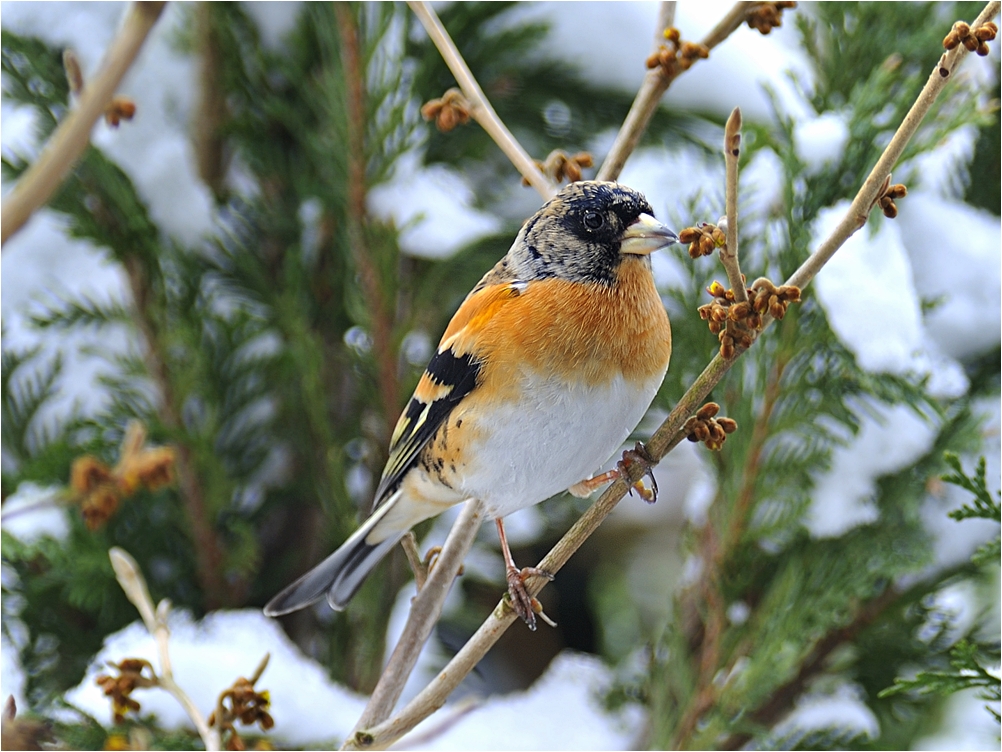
(524, 604)
(584, 488)
(638, 454)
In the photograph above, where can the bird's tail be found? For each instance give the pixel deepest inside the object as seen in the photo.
(341, 574)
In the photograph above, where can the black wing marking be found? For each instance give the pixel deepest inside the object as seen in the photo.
(420, 421)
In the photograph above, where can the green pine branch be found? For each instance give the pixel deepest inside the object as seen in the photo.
(967, 672)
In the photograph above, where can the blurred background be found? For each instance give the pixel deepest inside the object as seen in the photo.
(257, 266)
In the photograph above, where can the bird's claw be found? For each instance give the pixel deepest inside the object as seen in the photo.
(521, 602)
(639, 455)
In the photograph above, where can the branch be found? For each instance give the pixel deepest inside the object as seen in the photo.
(382, 321)
(209, 557)
(655, 84)
(211, 113)
(67, 144)
(132, 582)
(426, 608)
(480, 108)
(668, 435)
(869, 193)
(729, 252)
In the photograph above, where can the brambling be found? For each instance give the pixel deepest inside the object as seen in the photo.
(543, 372)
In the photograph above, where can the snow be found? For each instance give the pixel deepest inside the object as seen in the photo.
(208, 656)
(889, 441)
(609, 42)
(841, 707)
(954, 253)
(308, 708)
(872, 305)
(966, 725)
(12, 673)
(432, 207)
(819, 142)
(943, 171)
(31, 512)
(562, 710)
(274, 20)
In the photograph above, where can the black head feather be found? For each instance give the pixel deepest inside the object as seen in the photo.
(577, 234)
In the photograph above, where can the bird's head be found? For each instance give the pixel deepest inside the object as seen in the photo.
(584, 232)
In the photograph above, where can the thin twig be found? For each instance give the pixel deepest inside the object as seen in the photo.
(666, 19)
(655, 84)
(409, 544)
(67, 144)
(424, 614)
(666, 438)
(855, 218)
(131, 579)
(729, 251)
(480, 108)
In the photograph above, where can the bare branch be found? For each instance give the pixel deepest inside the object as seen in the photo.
(869, 193)
(655, 84)
(409, 544)
(666, 438)
(729, 251)
(424, 614)
(67, 144)
(480, 108)
(132, 582)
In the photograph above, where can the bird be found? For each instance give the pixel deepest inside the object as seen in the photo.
(543, 372)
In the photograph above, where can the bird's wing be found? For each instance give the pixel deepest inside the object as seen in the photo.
(452, 374)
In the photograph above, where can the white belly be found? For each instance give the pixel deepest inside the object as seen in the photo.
(553, 439)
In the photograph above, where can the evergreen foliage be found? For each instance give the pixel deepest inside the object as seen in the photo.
(275, 357)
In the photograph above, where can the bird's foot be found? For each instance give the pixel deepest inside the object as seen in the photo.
(639, 455)
(521, 602)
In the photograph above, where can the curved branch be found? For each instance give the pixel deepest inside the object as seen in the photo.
(67, 144)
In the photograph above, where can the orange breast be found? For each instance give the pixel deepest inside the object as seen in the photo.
(587, 333)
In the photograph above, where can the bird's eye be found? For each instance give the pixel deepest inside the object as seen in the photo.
(593, 220)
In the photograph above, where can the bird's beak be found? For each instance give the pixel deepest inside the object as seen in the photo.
(646, 235)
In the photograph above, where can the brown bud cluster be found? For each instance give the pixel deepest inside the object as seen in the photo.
(560, 165)
(703, 239)
(133, 673)
(766, 297)
(886, 200)
(676, 55)
(975, 40)
(735, 322)
(119, 109)
(705, 427)
(242, 703)
(767, 16)
(450, 110)
(100, 489)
